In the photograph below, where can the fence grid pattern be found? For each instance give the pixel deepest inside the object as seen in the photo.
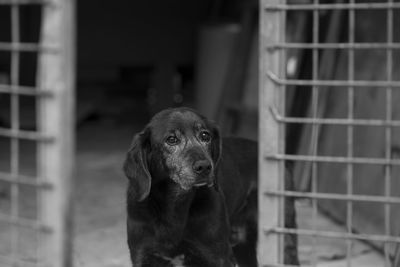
(275, 82)
(36, 132)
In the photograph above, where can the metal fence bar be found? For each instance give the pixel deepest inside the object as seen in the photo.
(25, 2)
(25, 180)
(23, 134)
(15, 124)
(333, 46)
(269, 248)
(346, 6)
(327, 159)
(56, 72)
(24, 90)
(350, 135)
(334, 83)
(315, 128)
(281, 142)
(334, 196)
(388, 131)
(341, 235)
(27, 47)
(335, 121)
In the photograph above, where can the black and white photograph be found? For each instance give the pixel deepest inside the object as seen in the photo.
(200, 133)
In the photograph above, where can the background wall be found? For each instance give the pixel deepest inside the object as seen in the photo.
(119, 33)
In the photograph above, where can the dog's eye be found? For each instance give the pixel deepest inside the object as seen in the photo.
(205, 136)
(172, 140)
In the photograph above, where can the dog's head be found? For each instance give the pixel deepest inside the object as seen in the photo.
(179, 145)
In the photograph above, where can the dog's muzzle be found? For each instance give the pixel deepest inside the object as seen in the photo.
(203, 169)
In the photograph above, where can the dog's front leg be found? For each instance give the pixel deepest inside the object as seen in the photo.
(143, 247)
(208, 234)
(198, 255)
(144, 257)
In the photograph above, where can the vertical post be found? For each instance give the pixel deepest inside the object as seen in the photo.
(56, 119)
(315, 99)
(271, 137)
(388, 131)
(15, 126)
(350, 135)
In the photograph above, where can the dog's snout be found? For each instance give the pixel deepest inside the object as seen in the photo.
(202, 167)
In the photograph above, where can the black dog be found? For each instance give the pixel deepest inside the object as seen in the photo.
(189, 193)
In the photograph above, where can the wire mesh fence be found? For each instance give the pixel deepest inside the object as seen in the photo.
(340, 60)
(36, 131)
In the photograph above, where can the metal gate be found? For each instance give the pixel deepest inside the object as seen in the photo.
(347, 157)
(37, 131)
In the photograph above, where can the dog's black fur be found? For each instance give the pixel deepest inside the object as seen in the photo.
(191, 194)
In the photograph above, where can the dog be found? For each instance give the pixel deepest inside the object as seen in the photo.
(192, 195)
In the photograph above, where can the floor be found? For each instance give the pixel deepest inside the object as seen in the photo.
(100, 235)
(330, 252)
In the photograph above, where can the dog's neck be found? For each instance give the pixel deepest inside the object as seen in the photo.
(170, 209)
(166, 204)
(169, 201)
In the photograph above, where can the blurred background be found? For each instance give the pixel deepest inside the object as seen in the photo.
(135, 58)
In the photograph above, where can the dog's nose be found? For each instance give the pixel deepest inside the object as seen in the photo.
(202, 167)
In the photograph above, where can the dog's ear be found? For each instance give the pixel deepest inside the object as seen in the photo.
(216, 145)
(136, 166)
(216, 148)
